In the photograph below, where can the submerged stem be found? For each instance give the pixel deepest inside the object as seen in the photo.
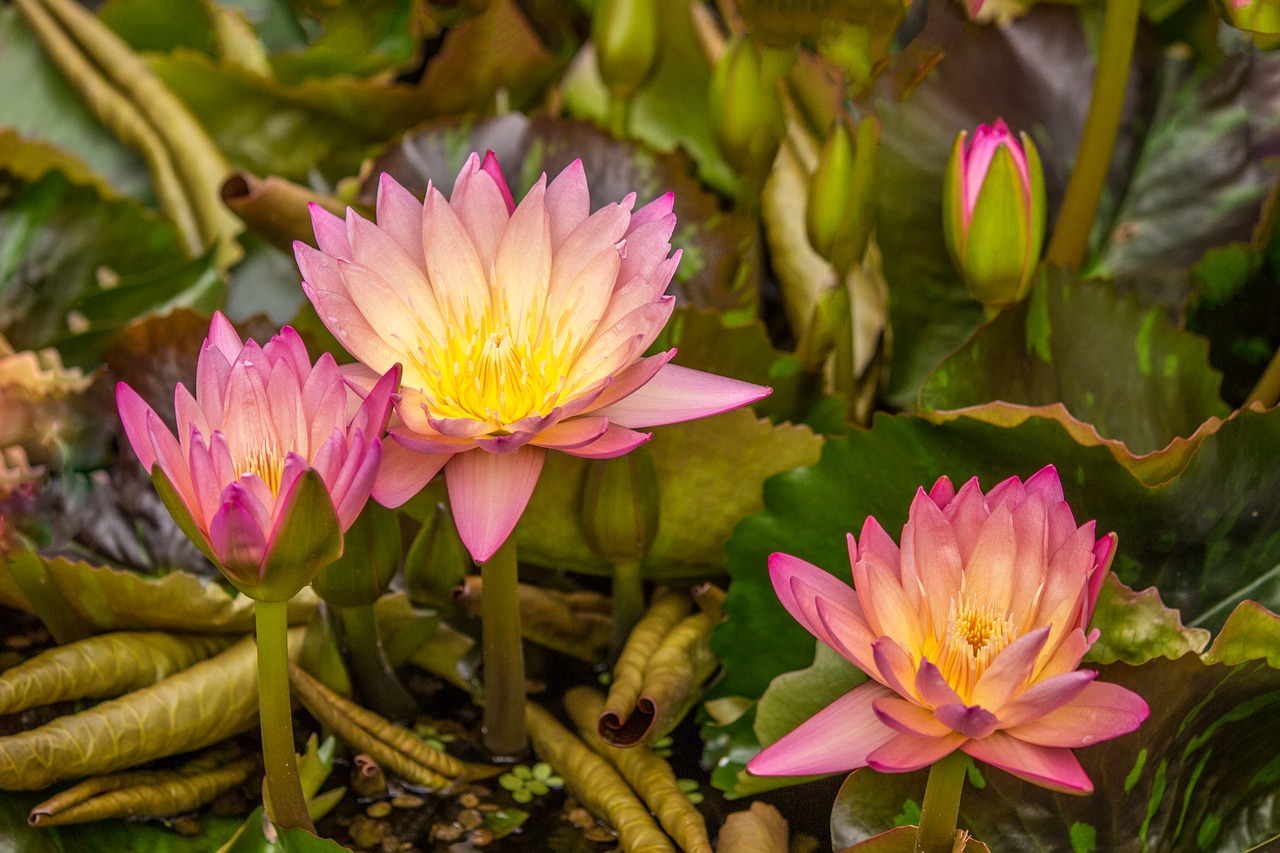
(1093, 160)
(937, 830)
(288, 805)
(504, 720)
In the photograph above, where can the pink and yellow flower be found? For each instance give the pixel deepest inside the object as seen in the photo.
(972, 633)
(520, 329)
(273, 460)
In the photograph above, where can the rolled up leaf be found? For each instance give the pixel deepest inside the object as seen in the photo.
(570, 623)
(213, 700)
(665, 612)
(102, 667)
(760, 829)
(648, 774)
(394, 748)
(274, 208)
(594, 783)
(673, 677)
(152, 794)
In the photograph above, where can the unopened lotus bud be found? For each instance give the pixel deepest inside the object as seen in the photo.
(993, 213)
(620, 506)
(369, 560)
(746, 107)
(840, 211)
(625, 34)
(437, 560)
(1255, 16)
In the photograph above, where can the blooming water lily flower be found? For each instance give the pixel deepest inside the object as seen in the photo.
(971, 633)
(273, 460)
(519, 329)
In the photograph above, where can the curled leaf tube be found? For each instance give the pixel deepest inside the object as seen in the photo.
(209, 702)
(594, 783)
(274, 208)
(394, 748)
(648, 774)
(576, 624)
(666, 609)
(102, 667)
(141, 793)
(672, 680)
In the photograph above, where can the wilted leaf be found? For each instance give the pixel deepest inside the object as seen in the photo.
(576, 624)
(666, 610)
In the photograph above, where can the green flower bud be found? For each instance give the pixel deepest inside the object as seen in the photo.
(746, 108)
(625, 34)
(993, 213)
(369, 560)
(620, 506)
(437, 560)
(840, 211)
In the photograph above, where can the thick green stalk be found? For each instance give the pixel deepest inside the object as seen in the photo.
(288, 805)
(628, 603)
(374, 674)
(505, 732)
(937, 830)
(619, 108)
(1093, 160)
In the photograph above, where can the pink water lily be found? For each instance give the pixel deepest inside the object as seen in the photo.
(972, 633)
(273, 458)
(520, 329)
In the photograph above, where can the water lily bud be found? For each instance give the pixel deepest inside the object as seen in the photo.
(1255, 16)
(625, 33)
(369, 560)
(620, 506)
(993, 213)
(437, 560)
(746, 108)
(839, 213)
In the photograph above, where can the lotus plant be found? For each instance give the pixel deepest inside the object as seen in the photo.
(994, 213)
(272, 462)
(521, 329)
(972, 632)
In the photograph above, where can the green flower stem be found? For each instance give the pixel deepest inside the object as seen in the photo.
(619, 109)
(628, 603)
(373, 673)
(504, 725)
(937, 830)
(1093, 160)
(288, 805)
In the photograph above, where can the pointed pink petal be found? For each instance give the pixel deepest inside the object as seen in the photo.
(1045, 696)
(799, 585)
(237, 533)
(1049, 767)
(634, 376)
(909, 718)
(166, 452)
(646, 248)
(488, 493)
(1010, 672)
(504, 445)
(600, 231)
(972, 721)
(356, 479)
(223, 336)
(399, 214)
(482, 208)
(654, 211)
(331, 232)
(635, 291)
(1046, 482)
(933, 688)
(403, 473)
(460, 284)
(614, 442)
(845, 630)
(931, 557)
(568, 201)
(341, 316)
(966, 512)
(679, 394)
(583, 306)
(988, 572)
(205, 485)
(942, 492)
(1101, 712)
(572, 433)
(494, 171)
(837, 738)
(888, 610)
(907, 752)
(397, 281)
(522, 266)
(894, 666)
(133, 415)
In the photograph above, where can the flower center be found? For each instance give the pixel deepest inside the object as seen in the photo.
(492, 371)
(267, 463)
(974, 634)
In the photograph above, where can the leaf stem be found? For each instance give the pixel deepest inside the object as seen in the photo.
(628, 603)
(505, 732)
(288, 805)
(1093, 159)
(937, 830)
(374, 674)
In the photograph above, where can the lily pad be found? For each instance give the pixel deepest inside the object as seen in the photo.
(1111, 362)
(1191, 777)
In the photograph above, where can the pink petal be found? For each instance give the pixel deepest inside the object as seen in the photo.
(236, 533)
(637, 290)
(399, 281)
(680, 394)
(355, 481)
(1045, 696)
(403, 473)
(942, 493)
(601, 230)
(223, 336)
(837, 738)
(482, 208)
(494, 171)
(133, 415)
(799, 585)
(331, 232)
(572, 433)
(1100, 712)
(988, 571)
(888, 610)
(1010, 672)
(457, 279)
(614, 442)
(568, 202)
(933, 688)
(375, 409)
(504, 445)
(894, 666)
(205, 484)
(287, 347)
(1046, 482)
(1049, 767)
(966, 512)
(583, 306)
(931, 557)
(522, 268)
(212, 373)
(397, 324)
(906, 752)
(646, 248)
(909, 718)
(341, 316)
(972, 721)
(654, 211)
(634, 376)
(324, 400)
(846, 631)
(488, 493)
(399, 214)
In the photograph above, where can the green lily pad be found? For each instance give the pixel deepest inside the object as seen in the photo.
(1111, 362)
(709, 476)
(1136, 627)
(1191, 778)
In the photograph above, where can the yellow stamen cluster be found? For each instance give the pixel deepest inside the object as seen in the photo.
(974, 634)
(267, 463)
